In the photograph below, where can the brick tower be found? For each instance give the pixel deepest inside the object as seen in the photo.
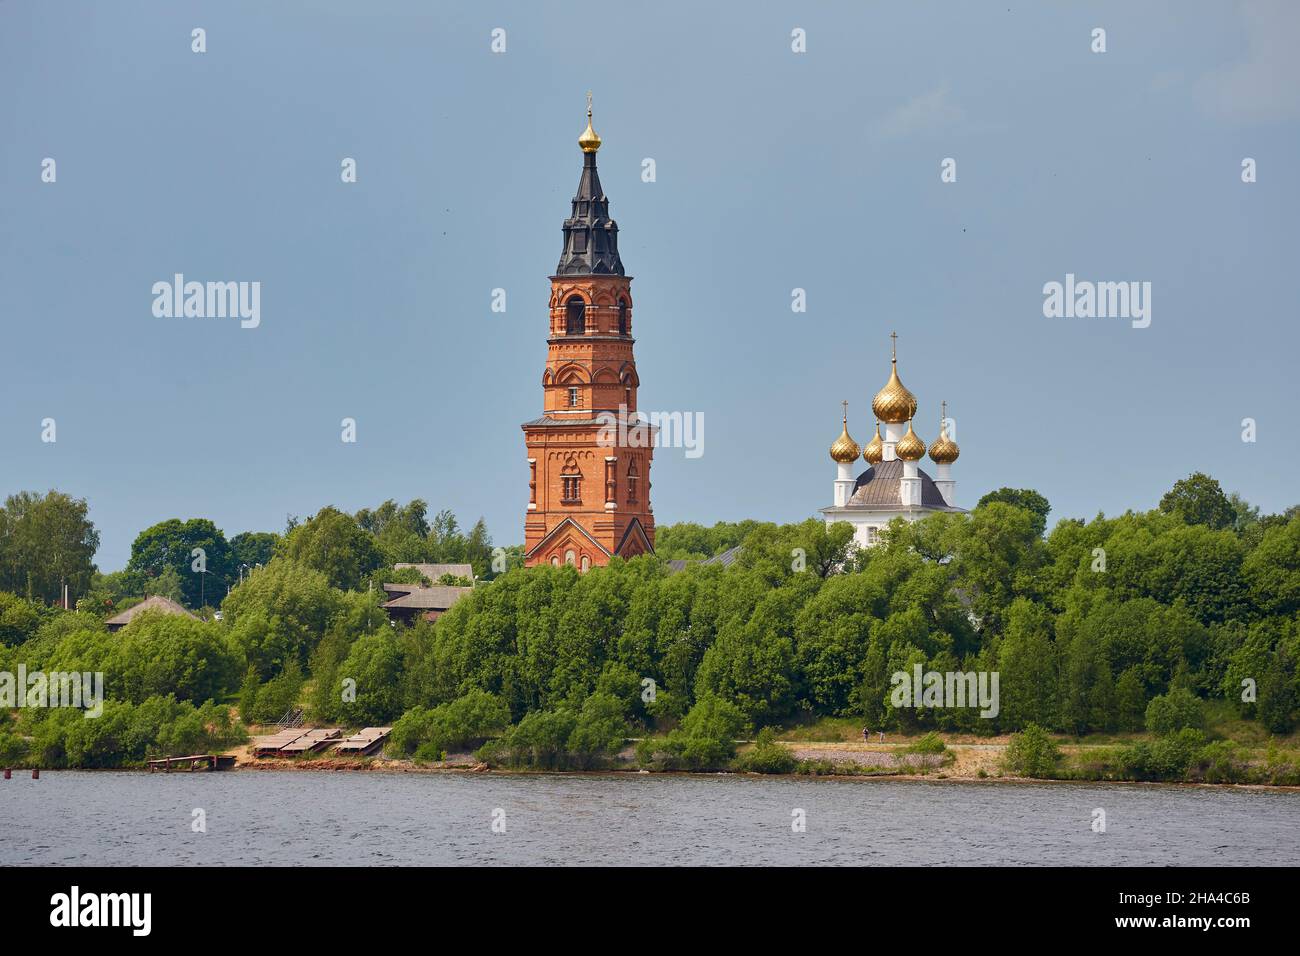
(588, 460)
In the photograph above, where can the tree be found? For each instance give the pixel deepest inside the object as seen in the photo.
(46, 541)
(1198, 499)
(334, 544)
(19, 619)
(248, 549)
(280, 614)
(1272, 570)
(172, 544)
(1025, 498)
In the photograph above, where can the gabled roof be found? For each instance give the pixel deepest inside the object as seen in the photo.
(437, 598)
(634, 529)
(555, 532)
(155, 603)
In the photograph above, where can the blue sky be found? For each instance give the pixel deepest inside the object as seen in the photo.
(775, 170)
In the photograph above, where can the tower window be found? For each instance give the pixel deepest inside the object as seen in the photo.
(631, 483)
(622, 316)
(571, 490)
(575, 316)
(574, 397)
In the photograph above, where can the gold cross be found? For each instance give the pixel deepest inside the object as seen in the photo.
(845, 403)
(589, 104)
(893, 346)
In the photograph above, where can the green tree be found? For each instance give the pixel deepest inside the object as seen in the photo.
(46, 541)
(196, 550)
(334, 544)
(1199, 499)
(1024, 498)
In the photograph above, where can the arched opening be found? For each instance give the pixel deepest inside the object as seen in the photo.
(570, 484)
(569, 557)
(575, 316)
(622, 316)
(586, 564)
(632, 475)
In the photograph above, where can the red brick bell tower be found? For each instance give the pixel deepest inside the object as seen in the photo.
(588, 461)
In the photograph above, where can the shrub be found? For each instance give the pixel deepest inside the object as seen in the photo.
(1032, 753)
(767, 756)
(1174, 711)
(930, 744)
(706, 740)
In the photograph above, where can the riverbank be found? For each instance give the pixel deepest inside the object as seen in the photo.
(967, 762)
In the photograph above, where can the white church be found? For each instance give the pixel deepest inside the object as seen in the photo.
(894, 486)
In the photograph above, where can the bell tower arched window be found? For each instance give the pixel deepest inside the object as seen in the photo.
(632, 475)
(622, 316)
(575, 316)
(570, 483)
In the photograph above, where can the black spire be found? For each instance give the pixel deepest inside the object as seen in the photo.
(590, 236)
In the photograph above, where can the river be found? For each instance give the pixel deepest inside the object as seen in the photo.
(366, 818)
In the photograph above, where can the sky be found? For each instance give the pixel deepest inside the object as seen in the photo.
(775, 170)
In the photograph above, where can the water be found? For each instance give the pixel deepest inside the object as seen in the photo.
(359, 818)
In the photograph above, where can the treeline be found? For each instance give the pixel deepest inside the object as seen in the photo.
(48, 541)
(1086, 626)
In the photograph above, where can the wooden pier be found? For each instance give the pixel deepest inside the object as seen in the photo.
(193, 762)
(311, 740)
(366, 741)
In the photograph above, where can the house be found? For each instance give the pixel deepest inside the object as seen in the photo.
(155, 603)
(409, 602)
(435, 571)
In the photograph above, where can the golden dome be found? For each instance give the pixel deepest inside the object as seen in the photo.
(845, 449)
(589, 141)
(910, 447)
(875, 450)
(894, 404)
(944, 451)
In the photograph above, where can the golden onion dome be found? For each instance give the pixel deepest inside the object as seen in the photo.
(845, 449)
(589, 141)
(944, 451)
(874, 453)
(894, 404)
(910, 447)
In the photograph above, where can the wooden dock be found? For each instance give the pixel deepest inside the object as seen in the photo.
(271, 746)
(311, 740)
(193, 762)
(366, 741)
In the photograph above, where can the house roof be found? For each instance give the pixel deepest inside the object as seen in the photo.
(437, 598)
(155, 603)
(435, 571)
(725, 559)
